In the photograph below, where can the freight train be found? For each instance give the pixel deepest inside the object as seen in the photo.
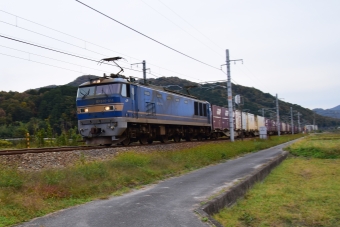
(118, 110)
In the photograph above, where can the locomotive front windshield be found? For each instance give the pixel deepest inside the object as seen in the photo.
(99, 90)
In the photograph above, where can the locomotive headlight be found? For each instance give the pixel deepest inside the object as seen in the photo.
(107, 108)
(84, 110)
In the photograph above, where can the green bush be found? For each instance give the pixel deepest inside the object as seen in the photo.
(10, 178)
(92, 171)
(5, 144)
(130, 159)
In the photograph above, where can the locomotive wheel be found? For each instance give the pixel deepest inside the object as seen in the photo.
(107, 145)
(143, 140)
(189, 138)
(199, 138)
(126, 142)
(177, 139)
(164, 139)
(150, 141)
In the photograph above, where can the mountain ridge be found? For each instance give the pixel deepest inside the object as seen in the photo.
(331, 112)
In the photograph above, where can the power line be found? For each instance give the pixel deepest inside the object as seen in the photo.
(147, 36)
(41, 63)
(53, 38)
(49, 58)
(30, 60)
(179, 27)
(244, 73)
(235, 82)
(188, 23)
(73, 55)
(85, 41)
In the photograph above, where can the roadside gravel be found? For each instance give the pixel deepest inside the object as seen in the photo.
(53, 160)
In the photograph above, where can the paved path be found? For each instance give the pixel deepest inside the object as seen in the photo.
(169, 203)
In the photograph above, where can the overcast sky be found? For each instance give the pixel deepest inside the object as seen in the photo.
(288, 47)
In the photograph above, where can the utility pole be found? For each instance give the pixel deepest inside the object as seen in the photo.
(277, 116)
(291, 119)
(144, 70)
(230, 97)
(298, 114)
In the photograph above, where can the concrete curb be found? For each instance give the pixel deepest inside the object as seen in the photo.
(230, 197)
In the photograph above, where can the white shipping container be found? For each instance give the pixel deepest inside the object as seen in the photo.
(244, 121)
(238, 119)
(252, 124)
(260, 121)
(284, 127)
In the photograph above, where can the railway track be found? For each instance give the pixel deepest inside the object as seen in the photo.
(71, 148)
(48, 149)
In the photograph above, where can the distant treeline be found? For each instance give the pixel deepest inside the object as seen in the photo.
(35, 109)
(55, 107)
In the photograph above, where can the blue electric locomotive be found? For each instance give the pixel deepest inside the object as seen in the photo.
(115, 109)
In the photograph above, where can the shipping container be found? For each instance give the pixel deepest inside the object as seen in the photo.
(260, 121)
(244, 121)
(217, 117)
(225, 119)
(237, 120)
(252, 124)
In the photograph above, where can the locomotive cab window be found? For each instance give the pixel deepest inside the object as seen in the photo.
(196, 108)
(101, 90)
(108, 89)
(125, 90)
(84, 92)
(200, 109)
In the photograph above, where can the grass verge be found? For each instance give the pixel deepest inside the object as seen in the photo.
(303, 191)
(25, 195)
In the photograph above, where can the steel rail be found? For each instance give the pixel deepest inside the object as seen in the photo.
(73, 148)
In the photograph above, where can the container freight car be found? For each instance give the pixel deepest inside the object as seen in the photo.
(115, 109)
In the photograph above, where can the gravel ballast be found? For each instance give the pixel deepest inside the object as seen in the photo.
(53, 160)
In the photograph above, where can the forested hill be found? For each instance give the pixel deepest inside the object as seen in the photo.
(34, 109)
(28, 111)
(254, 99)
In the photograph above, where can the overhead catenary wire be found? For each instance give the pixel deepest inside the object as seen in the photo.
(189, 23)
(62, 52)
(180, 27)
(50, 58)
(37, 33)
(40, 63)
(85, 41)
(179, 52)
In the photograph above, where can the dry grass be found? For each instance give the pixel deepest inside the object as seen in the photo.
(300, 192)
(27, 195)
(318, 146)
